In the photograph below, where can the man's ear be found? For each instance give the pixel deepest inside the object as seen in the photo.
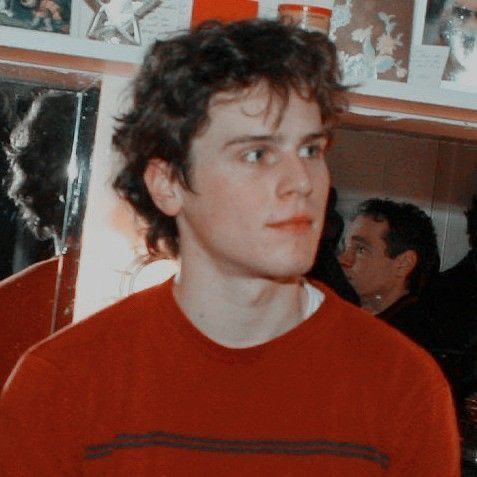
(406, 262)
(163, 186)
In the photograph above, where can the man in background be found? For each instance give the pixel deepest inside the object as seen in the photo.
(390, 257)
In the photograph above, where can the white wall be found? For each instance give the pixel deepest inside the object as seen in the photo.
(103, 246)
(112, 242)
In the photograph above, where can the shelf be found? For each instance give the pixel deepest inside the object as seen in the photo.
(385, 104)
(64, 51)
(398, 106)
(370, 110)
(69, 45)
(366, 119)
(443, 96)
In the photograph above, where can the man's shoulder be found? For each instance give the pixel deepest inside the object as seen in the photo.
(372, 339)
(44, 270)
(115, 325)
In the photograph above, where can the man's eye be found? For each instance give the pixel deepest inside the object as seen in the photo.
(310, 151)
(254, 156)
(462, 13)
(360, 249)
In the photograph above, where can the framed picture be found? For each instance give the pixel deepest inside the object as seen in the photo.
(140, 22)
(130, 22)
(453, 24)
(43, 15)
(373, 38)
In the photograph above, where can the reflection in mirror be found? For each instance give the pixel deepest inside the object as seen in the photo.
(47, 134)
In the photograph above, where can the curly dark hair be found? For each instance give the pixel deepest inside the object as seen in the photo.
(172, 91)
(471, 215)
(410, 228)
(38, 153)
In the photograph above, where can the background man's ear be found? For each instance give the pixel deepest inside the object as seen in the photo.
(163, 186)
(407, 261)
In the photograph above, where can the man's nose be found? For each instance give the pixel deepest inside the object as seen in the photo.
(294, 176)
(345, 258)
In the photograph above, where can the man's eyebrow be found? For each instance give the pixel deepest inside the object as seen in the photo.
(251, 138)
(325, 134)
(359, 239)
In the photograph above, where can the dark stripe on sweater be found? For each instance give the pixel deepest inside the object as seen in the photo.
(237, 446)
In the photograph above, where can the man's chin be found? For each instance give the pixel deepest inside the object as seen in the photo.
(290, 274)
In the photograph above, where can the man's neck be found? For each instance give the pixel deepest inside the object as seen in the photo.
(377, 302)
(240, 312)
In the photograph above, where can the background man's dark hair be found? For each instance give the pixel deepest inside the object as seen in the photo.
(40, 146)
(410, 228)
(471, 215)
(178, 78)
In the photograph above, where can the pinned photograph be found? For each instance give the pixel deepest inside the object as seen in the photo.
(43, 15)
(131, 22)
(453, 23)
(117, 21)
(372, 38)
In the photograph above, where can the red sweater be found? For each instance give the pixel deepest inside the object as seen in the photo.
(25, 313)
(26, 309)
(137, 390)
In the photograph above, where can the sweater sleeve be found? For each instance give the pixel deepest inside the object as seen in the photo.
(429, 442)
(35, 437)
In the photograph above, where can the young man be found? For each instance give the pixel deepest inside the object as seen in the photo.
(238, 366)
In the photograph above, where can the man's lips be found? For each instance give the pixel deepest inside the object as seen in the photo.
(299, 223)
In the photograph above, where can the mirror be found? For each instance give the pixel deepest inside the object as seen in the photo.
(48, 122)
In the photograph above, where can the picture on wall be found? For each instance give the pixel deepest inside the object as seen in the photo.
(373, 38)
(117, 21)
(43, 15)
(453, 23)
(140, 22)
(131, 22)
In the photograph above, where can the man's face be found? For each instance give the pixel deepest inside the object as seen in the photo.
(466, 10)
(459, 30)
(365, 261)
(260, 187)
